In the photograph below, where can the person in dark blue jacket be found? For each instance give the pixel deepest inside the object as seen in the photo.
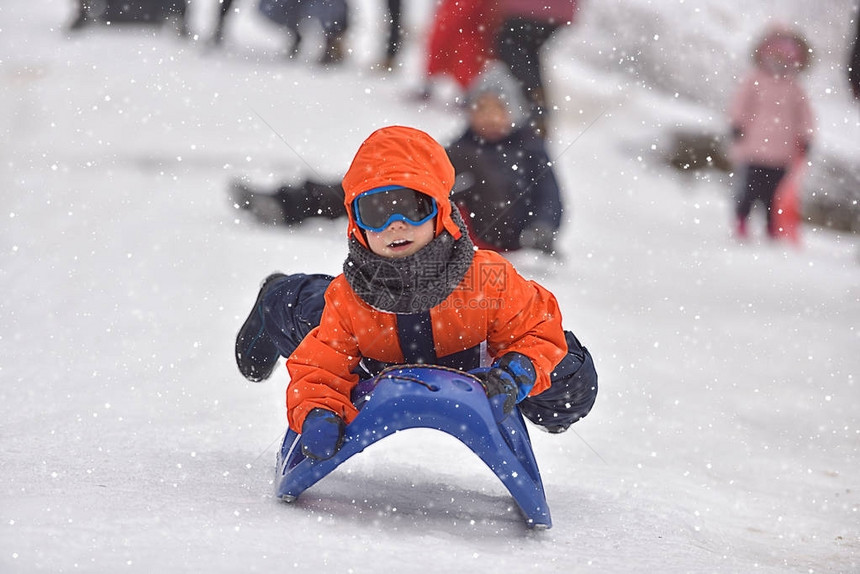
(506, 188)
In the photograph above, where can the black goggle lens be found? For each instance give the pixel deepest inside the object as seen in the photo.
(377, 209)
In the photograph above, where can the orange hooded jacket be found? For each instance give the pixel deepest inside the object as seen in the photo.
(491, 304)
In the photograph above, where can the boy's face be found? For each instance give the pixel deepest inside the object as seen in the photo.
(490, 118)
(401, 239)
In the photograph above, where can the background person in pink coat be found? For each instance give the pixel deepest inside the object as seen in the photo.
(771, 120)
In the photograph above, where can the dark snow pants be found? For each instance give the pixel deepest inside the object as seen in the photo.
(295, 306)
(518, 44)
(395, 40)
(759, 184)
(292, 14)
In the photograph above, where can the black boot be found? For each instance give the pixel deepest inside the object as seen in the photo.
(311, 199)
(324, 200)
(268, 209)
(256, 353)
(333, 50)
(289, 205)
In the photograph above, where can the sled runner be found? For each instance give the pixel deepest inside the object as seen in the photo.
(432, 397)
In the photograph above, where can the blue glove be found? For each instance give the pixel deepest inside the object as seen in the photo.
(507, 382)
(521, 369)
(322, 434)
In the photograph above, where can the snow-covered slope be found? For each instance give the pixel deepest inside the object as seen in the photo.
(725, 437)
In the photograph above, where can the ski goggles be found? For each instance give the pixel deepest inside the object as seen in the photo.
(378, 208)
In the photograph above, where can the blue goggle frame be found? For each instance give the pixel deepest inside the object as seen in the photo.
(385, 205)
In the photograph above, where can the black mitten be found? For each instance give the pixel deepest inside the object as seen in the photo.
(500, 388)
(322, 434)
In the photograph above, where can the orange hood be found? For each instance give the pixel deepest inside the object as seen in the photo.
(398, 155)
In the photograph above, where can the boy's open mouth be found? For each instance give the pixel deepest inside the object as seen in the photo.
(399, 243)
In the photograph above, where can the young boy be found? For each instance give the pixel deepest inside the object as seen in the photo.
(414, 290)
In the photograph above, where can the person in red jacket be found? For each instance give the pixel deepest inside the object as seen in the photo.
(459, 42)
(413, 290)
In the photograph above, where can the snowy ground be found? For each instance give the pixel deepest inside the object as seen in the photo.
(725, 438)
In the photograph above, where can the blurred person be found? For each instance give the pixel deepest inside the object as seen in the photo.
(854, 61)
(505, 188)
(525, 27)
(771, 121)
(394, 40)
(332, 15)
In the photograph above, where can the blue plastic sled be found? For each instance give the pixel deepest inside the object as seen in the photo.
(419, 396)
